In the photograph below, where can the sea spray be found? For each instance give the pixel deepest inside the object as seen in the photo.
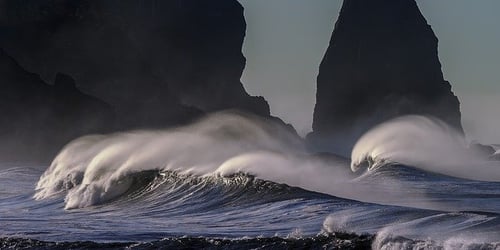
(233, 175)
(441, 231)
(93, 170)
(423, 142)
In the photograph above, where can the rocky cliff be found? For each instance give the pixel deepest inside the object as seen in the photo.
(382, 62)
(156, 62)
(37, 118)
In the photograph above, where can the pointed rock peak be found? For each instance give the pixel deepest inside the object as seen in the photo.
(382, 62)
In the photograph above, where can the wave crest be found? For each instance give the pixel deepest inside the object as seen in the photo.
(94, 169)
(423, 142)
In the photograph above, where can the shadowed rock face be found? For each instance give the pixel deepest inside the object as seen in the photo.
(158, 63)
(382, 62)
(37, 118)
(148, 59)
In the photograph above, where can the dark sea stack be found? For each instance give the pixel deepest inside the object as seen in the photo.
(382, 62)
(38, 118)
(149, 59)
(206, 40)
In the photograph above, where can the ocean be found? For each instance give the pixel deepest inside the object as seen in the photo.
(237, 182)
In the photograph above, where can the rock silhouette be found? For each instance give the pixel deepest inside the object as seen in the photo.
(37, 118)
(143, 57)
(382, 62)
(156, 63)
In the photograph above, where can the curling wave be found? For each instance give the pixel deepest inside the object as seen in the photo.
(95, 169)
(422, 142)
(234, 175)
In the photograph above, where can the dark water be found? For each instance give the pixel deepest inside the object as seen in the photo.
(200, 188)
(169, 210)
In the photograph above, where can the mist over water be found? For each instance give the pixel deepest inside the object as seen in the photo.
(93, 170)
(96, 169)
(426, 143)
(234, 175)
(232, 178)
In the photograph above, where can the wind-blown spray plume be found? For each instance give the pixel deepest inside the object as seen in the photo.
(423, 142)
(237, 173)
(96, 169)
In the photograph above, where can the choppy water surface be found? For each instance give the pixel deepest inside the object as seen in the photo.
(237, 183)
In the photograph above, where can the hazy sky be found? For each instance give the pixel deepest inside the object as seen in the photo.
(286, 40)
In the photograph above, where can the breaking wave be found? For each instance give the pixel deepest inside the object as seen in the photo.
(235, 175)
(425, 143)
(95, 169)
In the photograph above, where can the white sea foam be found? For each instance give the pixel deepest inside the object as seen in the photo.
(425, 143)
(95, 169)
(396, 228)
(390, 238)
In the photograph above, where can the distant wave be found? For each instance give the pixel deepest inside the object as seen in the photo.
(401, 228)
(396, 228)
(384, 241)
(423, 142)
